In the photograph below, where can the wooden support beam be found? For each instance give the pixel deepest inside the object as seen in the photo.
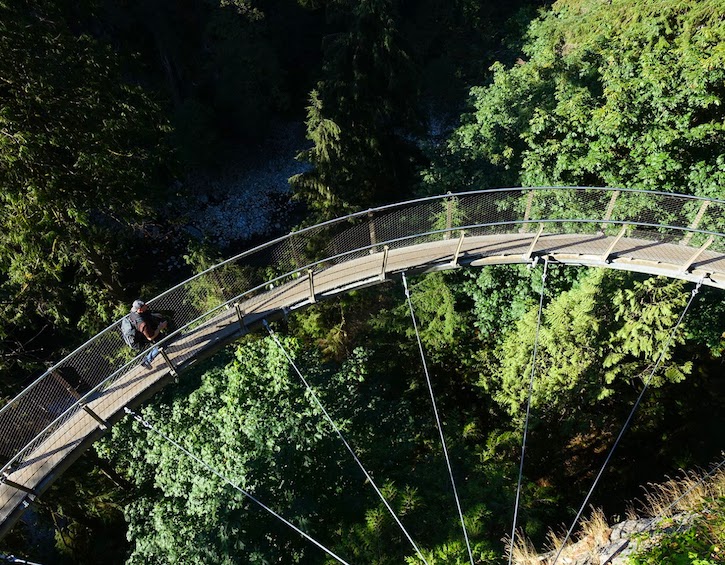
(385, 262)
(454, 262)
(527, 255)
(610, 249)
(696, 254)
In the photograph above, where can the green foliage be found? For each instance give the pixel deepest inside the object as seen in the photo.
(645, 315)
(83, 512)
(256, 424)
(709, 311)
(217, 286)
(359, 114)
(254, 421)
(324, 325)
(81, 151)
(701, 543)
(370, 540)
(440, 311)
(600, 332)
(455, 552)
(503, 294)
(615, 94)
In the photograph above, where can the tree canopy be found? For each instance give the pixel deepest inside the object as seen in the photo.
(623, 93)
(105, 106)
(81, 167)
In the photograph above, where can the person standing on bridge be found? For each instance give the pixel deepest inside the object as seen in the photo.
(149, 325)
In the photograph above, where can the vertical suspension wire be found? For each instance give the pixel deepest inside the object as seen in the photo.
(212, 470)
(437, 418)
(629, 418)
(528, 410)
(273, 335)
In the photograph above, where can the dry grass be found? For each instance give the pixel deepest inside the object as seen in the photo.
(524, 552)
(683, 494)
(595, 529)
(631, 513)
(554, 540)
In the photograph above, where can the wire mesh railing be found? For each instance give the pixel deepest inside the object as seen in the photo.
(43, 407)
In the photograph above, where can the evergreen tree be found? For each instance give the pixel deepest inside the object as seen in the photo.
(81, 161)
(361, 114)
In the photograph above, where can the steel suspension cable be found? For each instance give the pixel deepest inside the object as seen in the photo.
(629, 418)
(528, 410)
(438, 420)
(342, 438)
(211, 469)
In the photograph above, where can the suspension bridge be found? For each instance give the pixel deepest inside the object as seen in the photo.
(51, 422)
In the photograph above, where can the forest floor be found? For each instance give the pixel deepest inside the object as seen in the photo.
(249, 198)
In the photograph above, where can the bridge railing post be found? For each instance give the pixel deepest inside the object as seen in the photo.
(101, 422)
(531, 248)
(17, 486)
(385, 263)
(311, 279)
(613, 245)
(527, 212)
(696, 222)
(454, 261)
(169, 363)
(696, 254)
(373, 234)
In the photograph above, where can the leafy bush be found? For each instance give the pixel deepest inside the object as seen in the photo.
(702, 544)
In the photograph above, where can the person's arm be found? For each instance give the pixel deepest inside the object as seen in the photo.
(146, 331)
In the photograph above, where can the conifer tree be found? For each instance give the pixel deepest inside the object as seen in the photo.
(80, 160)
(360, 113)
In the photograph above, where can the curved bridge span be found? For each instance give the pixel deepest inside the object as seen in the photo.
(45, 428)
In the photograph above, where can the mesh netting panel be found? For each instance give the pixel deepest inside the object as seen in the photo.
(498, 206)
(643, 208)
(566, 204)
(29, 414)
(714, 219)
(50, 434)
(202, 300)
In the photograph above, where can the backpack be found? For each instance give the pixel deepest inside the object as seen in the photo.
(133, 338)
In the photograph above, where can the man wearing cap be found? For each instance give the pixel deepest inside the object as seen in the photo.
(149, 324)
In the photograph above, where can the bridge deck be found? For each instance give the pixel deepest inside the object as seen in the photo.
(81, 428)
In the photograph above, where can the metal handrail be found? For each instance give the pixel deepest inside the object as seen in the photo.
(306, 235)
(364, 213)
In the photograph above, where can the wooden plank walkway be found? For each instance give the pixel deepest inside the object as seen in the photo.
(81, 427)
